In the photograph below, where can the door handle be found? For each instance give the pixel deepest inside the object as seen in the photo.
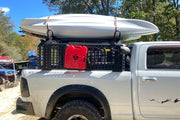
(146, 79)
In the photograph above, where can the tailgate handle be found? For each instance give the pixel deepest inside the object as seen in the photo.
(146, 79)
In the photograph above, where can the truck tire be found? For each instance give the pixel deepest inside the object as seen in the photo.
(77, 110)
(2, 83)
(2, 80)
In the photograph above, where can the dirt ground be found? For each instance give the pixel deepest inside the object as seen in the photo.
(8, 99)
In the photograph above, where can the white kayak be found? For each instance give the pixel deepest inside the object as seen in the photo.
(88, 26)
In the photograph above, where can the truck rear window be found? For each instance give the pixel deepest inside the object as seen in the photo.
(163, 57)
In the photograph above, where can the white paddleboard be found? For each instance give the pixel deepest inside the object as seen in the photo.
(88, 26)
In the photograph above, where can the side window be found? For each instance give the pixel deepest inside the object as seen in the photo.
(163, 57)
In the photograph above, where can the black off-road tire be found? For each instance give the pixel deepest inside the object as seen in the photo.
(2, 80)
(77, 110)
(2, 83)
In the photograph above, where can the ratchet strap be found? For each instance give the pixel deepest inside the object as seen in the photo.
(49, 32)
(47, 23)
(115, 32)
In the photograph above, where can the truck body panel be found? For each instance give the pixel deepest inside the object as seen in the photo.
(116, 86)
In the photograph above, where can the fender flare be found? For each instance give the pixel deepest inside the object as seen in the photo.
(97, 94)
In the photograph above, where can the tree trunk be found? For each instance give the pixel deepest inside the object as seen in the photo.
(154, 19)
(177, 28)
(108, 2)
(177, 19)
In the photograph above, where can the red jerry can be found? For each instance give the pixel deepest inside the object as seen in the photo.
(76, 57)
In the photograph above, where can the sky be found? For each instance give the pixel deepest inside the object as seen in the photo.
(20, 9)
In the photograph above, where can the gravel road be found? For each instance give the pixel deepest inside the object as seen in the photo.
(8, 99)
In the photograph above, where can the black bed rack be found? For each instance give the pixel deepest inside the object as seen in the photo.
(100, 56)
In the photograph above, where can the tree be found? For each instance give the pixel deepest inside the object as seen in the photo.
(175, 5)
(160, 12)
(5, 26)
(103, 7)
(12, 44)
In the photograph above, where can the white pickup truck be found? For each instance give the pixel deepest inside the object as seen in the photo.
(147, 91)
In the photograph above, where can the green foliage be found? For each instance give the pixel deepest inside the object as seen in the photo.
(165, 14)
(11, 44)
(4, 24)
(103, 7)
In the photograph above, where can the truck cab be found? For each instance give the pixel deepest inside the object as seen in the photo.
(155, 68)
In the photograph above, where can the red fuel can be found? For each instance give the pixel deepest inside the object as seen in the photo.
(76, 57)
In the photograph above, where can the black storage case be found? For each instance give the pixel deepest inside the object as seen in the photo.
(101, 56)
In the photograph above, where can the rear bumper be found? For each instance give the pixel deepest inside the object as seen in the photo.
(24, 107)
